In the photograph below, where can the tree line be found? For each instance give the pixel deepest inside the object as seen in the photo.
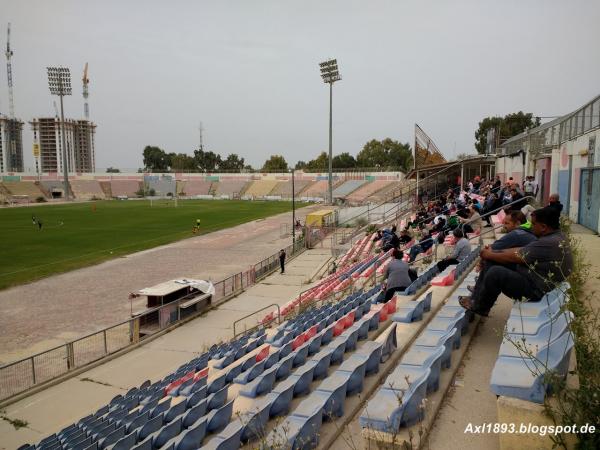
(384, 155)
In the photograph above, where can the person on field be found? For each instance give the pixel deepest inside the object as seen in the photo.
(282, 260)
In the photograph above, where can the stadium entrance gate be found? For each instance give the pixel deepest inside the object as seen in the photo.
(589, 198)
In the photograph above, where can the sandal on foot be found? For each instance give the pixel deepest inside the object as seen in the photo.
(467, 303)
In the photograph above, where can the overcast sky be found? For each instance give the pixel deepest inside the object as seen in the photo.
(249, 70)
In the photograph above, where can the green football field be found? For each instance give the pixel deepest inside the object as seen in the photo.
(77, 235)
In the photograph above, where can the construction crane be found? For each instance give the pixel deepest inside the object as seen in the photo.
(86, 80)
(9, 53)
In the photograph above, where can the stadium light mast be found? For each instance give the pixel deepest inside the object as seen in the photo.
(59, 82)
(330, 74)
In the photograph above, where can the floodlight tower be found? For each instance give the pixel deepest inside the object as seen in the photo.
(9, 53)
(86, 81)
(330, 74)
(59, 82)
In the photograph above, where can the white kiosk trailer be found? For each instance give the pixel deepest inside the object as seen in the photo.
(172, 301)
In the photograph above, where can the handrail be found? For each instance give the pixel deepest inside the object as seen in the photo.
(255, 312)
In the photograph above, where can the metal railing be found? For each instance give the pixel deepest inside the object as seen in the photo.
(19, 376)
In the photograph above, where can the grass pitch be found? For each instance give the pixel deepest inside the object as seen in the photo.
(78, 235)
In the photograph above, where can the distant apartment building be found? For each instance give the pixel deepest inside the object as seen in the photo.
(11, 145)
(79, 140)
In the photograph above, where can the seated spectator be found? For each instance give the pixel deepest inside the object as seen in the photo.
(405, 236)
(462, 248)
(473, 222)
(397, 275)
(554, 202)
(518, 234)
(390, 239)
(540, 265)
(378, 236)
(424, 244)
(516, 197)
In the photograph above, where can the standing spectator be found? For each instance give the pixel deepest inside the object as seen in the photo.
(528, 187)
(462, 248)
(282, 260)
(554, 202)
(397, 275)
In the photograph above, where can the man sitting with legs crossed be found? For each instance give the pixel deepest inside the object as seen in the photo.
(540, 265)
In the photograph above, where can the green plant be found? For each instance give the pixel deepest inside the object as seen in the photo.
(361, 221)
(40, 199)
(151, 192)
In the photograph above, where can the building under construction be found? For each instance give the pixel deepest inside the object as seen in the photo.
(79, 138)
(11, 145)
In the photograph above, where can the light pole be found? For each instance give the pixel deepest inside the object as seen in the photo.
(293, 213)
(330, 74)
(59, 82)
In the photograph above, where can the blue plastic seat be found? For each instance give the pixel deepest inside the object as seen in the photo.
(301, 429)
(362, 326)
(251, 373)
(447, 339)
(255, 420)
(372, 350)
(389, 341)
(193, 414)
(228, 439)
(166, 433)
(232, 372)
(303, 376)
(175, 410)
(218, 399)
(455, 312)
(408, 312)
(150, 427)
(223, 362)
(350, 336)
(261, 384)
(326, 335)
(322, 361)
(284, 366)
(355, 366)
(281, 397)
(444, 323)
(217, 383)
(196, 397)
(428, 358)
(524, 377)
(301, 353)
(125, 443)
(398, 402)
(314, 345)
(217, 419)
(334, 388)
(190, 439)
(515, 344)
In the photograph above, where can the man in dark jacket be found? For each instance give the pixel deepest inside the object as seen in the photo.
(554, 202)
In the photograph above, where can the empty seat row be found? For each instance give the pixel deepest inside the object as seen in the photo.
(538, 341)
(399, 401)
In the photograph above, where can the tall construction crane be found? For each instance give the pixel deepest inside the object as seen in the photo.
(86, 80)
(9, 53)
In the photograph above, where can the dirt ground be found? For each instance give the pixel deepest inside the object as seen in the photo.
(46, 313)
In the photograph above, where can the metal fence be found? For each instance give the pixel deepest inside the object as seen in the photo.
(19, 376)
